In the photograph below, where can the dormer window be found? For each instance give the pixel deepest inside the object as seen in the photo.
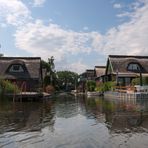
(133, 67)
(16, 68)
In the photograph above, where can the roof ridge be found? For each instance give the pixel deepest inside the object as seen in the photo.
(100, 66)
(127, 56)
(20, 57)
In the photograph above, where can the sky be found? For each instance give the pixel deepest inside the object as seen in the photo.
(79, 34)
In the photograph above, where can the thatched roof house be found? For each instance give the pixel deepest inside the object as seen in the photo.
(99, 72)
(22, 69)
(89, 74)
(126, 67)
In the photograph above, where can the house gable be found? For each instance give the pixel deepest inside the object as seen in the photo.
(90, 74)
(23, 71)
(127, 64)
(99, 71)
(20, 67)
(109, 68)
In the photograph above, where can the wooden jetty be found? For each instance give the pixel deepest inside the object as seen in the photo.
(132, 95)
(28, 96)
(89, 94)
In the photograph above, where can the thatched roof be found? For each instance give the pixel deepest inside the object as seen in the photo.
(90, 73)
(100, 70)
(120, 63)
(31, 66)
(89, 70)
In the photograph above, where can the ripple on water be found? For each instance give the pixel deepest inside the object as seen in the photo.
(74, 122)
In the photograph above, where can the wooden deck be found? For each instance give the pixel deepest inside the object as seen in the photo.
(28, 96)
(90, 94)
(134, 95)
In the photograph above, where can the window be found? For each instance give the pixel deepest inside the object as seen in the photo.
(16, 68)
(133, 67)
(127, 81)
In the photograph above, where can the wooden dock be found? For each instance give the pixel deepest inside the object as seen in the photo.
(134, 95)
(89, 94)
(28, 96)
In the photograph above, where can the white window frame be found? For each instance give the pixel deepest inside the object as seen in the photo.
(12, 69)
(133, 67)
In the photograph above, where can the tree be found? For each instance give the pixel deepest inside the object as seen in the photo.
(50, 79)
(91, 85)
(136, 81)
(67, 80)
(51, 72)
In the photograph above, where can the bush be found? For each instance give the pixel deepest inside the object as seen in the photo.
(91, 85)
(47, 80)
(49, 89)
(7, 87)
(106, 86)
(136, 81)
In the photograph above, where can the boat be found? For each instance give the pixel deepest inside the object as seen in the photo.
(94, 93)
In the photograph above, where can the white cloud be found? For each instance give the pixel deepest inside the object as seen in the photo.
(38, 3)
(130, 37)
(49, 40)
(117, 6)
(52, 40)
(77, 66)
(123, 14)
(14, 12)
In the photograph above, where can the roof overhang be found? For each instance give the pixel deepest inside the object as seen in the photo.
(130, 74)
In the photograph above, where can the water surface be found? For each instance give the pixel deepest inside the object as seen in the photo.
(74, 122)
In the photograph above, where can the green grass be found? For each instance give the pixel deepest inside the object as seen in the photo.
(7, 87)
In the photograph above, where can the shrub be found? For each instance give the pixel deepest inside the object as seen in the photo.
(91, 85)
(106, 86)
(49, 89)
(47, 80)
(7, 87)
(136, 81)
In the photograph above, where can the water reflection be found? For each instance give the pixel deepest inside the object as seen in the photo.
(69, 121)
(125, 115)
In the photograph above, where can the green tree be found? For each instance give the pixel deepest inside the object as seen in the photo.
(106, 86)
(50, 78)
(91, 85)
(7, 87)
(67, 80)
(136, 81)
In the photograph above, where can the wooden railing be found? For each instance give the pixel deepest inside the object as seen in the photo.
(23, 89)
(124, 88)
(131, 89)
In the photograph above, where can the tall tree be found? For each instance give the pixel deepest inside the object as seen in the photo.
(67, 80)
(51, 71)
(50, 79)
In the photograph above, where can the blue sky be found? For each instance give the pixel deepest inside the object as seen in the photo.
(80, 34)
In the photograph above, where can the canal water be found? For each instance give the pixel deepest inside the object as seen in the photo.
(74, 122)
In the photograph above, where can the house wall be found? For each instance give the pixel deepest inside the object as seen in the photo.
(125, 81)
(27, 85)
(33, 85)
(21, 70)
